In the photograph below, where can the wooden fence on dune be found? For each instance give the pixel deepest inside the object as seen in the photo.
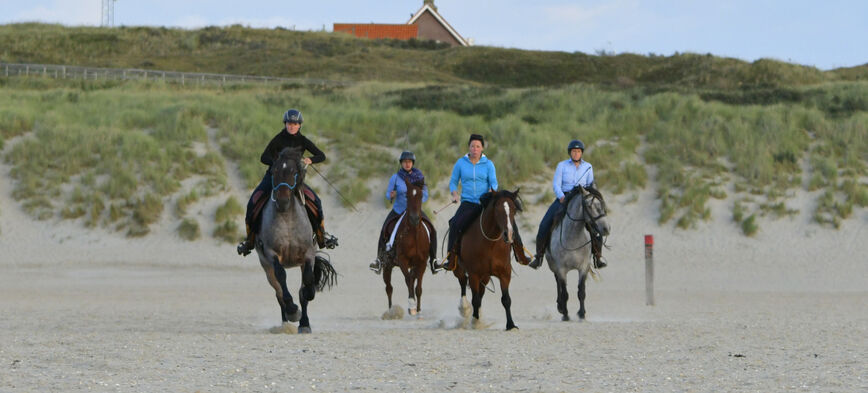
(182, 78)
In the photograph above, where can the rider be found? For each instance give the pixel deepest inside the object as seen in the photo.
(289, 136)
(477, 176)
(397, 192)
(569, 173)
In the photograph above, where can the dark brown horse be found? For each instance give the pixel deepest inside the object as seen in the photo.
(485, 251)
(412, 242)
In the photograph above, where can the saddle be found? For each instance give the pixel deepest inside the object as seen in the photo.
(390, 226)
(260, 197)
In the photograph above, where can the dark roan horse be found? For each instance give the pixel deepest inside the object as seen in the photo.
(570, 244)
(485, 251)
(286, 240)
(412, 242)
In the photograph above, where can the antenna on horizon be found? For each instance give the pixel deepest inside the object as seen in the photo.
(107, 16)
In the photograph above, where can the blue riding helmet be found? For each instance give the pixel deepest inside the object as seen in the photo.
(293, 116)
(407, 155)
(575, 144)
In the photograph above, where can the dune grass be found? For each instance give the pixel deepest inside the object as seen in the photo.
(124, 149)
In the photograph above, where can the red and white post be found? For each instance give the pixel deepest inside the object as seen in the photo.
(649, 270)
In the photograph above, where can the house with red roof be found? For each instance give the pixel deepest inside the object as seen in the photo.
(425, 24)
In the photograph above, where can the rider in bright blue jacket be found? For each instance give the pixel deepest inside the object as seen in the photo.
(477, 176)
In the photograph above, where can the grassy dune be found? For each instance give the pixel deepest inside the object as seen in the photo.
(113, 154)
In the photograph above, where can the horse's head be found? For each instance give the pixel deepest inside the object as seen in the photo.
(504, 204)
(287, 176)
(414, 200)
(595, 210)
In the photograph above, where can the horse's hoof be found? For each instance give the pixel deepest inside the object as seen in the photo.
(411, 311)
(294, 316)
(565, 318)
(581, 316)
(511, 328)
(304, 330)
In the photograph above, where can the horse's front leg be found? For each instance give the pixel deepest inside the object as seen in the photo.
(408, 279)
(306, 293)
(477, 289)
(420, 272)
(276, 275)
(562, 297)
(387, 278)
(582, 278)
(506, 301)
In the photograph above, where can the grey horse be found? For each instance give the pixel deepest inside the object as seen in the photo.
(286, 240)
(570, 244)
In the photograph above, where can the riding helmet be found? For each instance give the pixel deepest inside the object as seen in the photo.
(575, 144)
(293, 116)
(407, 155)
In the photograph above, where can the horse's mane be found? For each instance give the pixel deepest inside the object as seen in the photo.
(290, 153)
(293, 156)
(488, 197)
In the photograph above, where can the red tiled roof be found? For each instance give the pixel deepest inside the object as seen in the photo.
(374, 31)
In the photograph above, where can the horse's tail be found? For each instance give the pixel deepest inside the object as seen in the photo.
(324, 273)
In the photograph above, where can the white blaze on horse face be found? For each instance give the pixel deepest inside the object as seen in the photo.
(284, 165)
(508, 223)
(414, 192)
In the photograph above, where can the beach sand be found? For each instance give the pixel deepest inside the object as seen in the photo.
(91, 310)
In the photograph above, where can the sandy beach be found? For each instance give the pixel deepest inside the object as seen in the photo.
(90, 310)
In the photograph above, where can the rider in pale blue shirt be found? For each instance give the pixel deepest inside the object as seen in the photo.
(569, 174)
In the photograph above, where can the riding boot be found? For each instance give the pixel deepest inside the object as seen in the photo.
(518, 251)
(540, 252)
(450, 262)
(246, 246)
(324, 239)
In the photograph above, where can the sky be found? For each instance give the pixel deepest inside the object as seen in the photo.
(825, 34)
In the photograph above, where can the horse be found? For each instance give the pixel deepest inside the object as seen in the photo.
(412, 242)
(286, 240)
(485, 250)
(570, 245)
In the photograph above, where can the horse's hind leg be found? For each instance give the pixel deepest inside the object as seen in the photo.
(582, 278)
(477, 289)
(387, 278)
(507, 303)
(562, 297)
(420, 272)
(305, 295)
(276, 275)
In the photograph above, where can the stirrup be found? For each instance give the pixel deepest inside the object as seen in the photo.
(433, 264)
(328, 240)
(599, 264)
(243, 249)
(536, 262)
(447, 264)
(376, 266)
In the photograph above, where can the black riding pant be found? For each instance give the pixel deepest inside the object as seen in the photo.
(466, 212)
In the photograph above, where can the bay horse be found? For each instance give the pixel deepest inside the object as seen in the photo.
(412, 244)
(485, 249)
(570, 244)
(286, 240)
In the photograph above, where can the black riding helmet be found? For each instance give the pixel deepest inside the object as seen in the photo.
(292, 116)
(575, 144)
(407, 155)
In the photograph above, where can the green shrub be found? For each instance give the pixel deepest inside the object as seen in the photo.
(228, 232)
(749, 226)
(189, 229)
(228, 211)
